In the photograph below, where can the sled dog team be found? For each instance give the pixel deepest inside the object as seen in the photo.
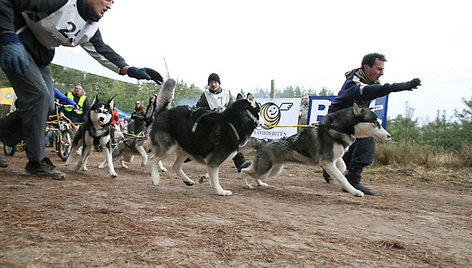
(210, 138)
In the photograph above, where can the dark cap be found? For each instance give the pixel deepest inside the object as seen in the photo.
(214, 77)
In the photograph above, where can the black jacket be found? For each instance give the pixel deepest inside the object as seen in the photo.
(12, 20)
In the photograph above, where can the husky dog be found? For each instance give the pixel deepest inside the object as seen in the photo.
(324, 146)
(93, 132)
(208, 137)
(126, 149)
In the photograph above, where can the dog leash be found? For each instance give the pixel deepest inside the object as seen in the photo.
(132, 136)
(314, 125)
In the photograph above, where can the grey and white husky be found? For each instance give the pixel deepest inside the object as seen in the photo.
(209, 138)
(321, 146)
(127, 149)
(93, 132)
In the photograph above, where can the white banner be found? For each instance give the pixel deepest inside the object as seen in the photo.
(277, 112)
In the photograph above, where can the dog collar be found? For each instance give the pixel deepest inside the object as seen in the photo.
(234, 130)
(253, 118)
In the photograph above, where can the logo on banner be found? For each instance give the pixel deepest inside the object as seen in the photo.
(277, 115)
(271, 113)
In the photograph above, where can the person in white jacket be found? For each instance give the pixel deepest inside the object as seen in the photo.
(217, 99)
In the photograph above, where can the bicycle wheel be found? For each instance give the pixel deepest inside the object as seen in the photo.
(10, 151)
(64, 144)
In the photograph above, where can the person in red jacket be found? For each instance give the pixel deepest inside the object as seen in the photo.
(114, 126)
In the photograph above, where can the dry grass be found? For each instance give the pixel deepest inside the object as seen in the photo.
(406, 154)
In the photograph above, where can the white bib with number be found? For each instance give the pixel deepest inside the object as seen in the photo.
(219, 101)
(63, 27)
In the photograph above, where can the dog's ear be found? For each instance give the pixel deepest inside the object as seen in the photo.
(239, 96)
(95, 100)
(252, 100)
(111, 103)
(357, 108)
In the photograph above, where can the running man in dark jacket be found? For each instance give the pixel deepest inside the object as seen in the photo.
(30, 30)
(362, 85)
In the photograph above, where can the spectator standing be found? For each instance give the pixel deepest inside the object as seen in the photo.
(303, 116)
(114, 125)
(138, 124)
(150, 109)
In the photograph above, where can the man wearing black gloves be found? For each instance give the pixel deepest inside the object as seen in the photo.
(362, 85)
(30, 30)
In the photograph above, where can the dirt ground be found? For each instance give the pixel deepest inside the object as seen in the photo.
(418, 218)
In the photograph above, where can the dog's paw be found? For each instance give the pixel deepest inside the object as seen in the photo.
(247, 186)
(189, 183)
(101, 166)
(113, 175)
(357, 193)
(163, 169)
(224, 193)
(262, 184)
(204, 178)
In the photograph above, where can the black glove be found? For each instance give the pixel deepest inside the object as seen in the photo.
(145, 73)
(14, 58)
(405, 85)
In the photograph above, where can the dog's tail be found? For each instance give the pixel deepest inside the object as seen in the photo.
(165, 95)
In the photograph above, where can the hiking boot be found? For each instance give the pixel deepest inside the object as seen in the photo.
(362, 188)
(244, 165)
(326, 177)
(3, 162)
(44, 168)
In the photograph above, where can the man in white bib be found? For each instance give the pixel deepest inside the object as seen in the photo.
(217, 99)
(30, 30)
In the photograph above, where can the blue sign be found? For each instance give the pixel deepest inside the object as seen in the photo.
(319, 106)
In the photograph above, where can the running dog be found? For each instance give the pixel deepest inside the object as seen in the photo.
(126, 149)
(93, 132)
(209, 138)
(324, 145)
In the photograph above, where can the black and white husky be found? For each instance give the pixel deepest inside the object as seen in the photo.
(93, 132)
(321, 146)
(209, 138)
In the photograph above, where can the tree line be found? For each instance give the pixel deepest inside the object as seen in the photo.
(450, 135)
(126, 94)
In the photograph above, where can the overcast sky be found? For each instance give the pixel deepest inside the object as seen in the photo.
(310, 44)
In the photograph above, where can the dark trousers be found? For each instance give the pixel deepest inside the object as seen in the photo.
(360, 155)
(239, 159)
(35, 99)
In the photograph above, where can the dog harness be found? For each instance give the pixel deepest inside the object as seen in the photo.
(93, 133)
(291, 142)
(344, 142)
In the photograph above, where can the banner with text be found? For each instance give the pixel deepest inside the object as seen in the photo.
(277, 112)
(319, 105)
